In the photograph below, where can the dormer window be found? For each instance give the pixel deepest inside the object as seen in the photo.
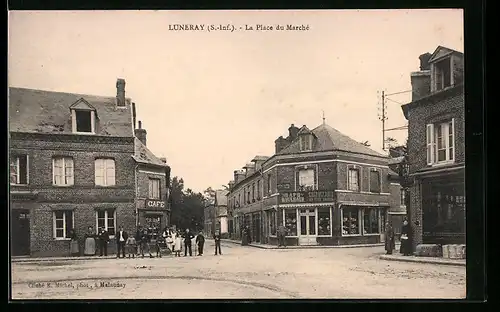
(446, 67)
(306, 142)
(442, 74)
(83, 117)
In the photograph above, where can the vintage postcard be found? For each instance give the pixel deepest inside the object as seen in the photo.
(247, 155)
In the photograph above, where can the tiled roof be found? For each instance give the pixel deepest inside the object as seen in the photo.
(144, 155)
(221, 197)
(49, 112)
(327, 139)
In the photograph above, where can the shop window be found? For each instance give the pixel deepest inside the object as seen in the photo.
(105, 172)
(291, 222)
(271, 215)
(106, 219)
(371, 221)
(353, 179)
(444, 208)
(154, 189)
(306, 179)
(62, 170)
(350, 221)
(324, 222)
(374, 181)
(19, 169)
(63, 223)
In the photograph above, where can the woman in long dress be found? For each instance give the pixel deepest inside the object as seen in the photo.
(74, 248)
(89, 242)
(406, 239)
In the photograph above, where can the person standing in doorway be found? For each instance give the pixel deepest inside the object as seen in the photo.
(200, 241)
(121, 239)
(103, 242)
(89, 249)
(188, 236)
(390, 243)
(217, 242)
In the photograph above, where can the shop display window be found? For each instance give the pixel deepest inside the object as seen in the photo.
(350, 221)
(324, 222)
(371, 221)
(291, 222)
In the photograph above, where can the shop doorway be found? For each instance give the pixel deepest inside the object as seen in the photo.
(20, 227)
(307, 225)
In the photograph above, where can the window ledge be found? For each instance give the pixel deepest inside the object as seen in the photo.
(442, 163)
(61, 239)
(63, 185)
(326, 235)
(351, 235)
(105, 186)
(19, 184)
(371, 234)
(84, 133)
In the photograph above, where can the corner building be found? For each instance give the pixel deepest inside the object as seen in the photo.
(74, 163)
(324, 187)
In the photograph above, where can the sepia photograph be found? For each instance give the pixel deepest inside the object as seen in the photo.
(252, 154)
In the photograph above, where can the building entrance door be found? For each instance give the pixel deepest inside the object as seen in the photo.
(20, 232)
(307, 225)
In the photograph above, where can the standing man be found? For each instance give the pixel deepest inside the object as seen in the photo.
(200, 241)
(281, 236)
(187, 243)
(138, 239)
(103, 238)
(121, 239)
(217, 242)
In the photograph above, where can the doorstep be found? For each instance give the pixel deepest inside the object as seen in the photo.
(430, 260)
(53, 259)
(266, 246)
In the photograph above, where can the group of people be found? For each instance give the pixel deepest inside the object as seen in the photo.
(406, 238)
(145, 240)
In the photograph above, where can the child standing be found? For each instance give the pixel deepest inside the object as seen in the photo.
(178, 245)
(131, 246)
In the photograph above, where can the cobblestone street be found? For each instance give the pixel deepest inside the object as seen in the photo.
(240, 273)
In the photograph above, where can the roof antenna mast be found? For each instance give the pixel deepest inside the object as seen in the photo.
(323, 117)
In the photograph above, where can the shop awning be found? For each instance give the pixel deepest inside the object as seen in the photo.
(307, 205)
(352, 203)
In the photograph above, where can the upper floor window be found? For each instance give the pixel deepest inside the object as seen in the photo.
(248, 195)
(258, 190)
(253, 192)
(305, 142)
(104, 172)
(62, 171)
(306, 179)
(442, 74)
(19, 169)
(374, 181)
(154, 189)
(441, 142)
(239, 200)
(353, 179)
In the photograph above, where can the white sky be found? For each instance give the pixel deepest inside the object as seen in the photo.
(210, 101)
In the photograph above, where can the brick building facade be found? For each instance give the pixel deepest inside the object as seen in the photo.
(73, 164)
(324, 187)
(436, 148)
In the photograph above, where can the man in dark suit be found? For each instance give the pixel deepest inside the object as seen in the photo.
(121, 239)
(103, 239)
(188, 236)
(217, 242)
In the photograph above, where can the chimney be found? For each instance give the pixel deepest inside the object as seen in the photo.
(238, 176)
(258, 161)
(230, 184)
(120, 92)
(424, 61)
(292, 132)
(279, 144)
(420, 84)
(141, 133)
(249, 169)
(133, 114)
(163, 160)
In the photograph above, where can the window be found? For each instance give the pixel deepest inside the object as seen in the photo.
(403, 197)
(62, 171)
(374, 181)
(258, 190)
(324, 224)
(239, 200)
(271, 216)
(253, 192)
(291, 222)
(443, 209)
(269, 184)
(63, 224)
(306, 179)
(442, 74)
(104, 172)
(350, 221)
(353, 179)
(244, 196)
(441, 142)
(248, 195)
(106, 219)
(305, 142)
(371, 221)
(154, 188)
(19, 169)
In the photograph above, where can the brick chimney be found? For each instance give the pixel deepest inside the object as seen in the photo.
(230, 184)
(279, 144)
(239, 175)
(292, 132)
(421, 80)
(141, 133)
(249, 169)
(120, 92)
(134, 115)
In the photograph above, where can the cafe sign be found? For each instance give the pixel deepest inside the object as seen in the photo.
(155, 204)
(307, 197)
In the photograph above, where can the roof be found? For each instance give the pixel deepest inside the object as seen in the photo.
(42, 111)
(329, 139)
(143, 155)
(221, 197)
(396, 160)
(260, 158)
(441, 52)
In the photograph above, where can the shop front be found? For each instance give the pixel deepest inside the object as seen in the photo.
(154, 216)
(361, 223)
(21, 205)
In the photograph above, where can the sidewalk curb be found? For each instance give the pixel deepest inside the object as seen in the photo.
(55, 259)
(302, 247)
(419, 260)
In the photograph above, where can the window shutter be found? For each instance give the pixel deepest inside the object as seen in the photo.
(430, 144)
(453, 136)
(110, 172)
(68, 170)
(99, 172)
